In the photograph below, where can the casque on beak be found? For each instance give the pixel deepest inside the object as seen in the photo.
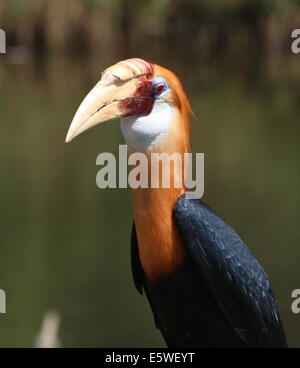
(122, 91)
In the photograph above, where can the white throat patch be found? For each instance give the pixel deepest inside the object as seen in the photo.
(140, 132)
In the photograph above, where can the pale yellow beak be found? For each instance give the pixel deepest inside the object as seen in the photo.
(100, 105)
(113, 96)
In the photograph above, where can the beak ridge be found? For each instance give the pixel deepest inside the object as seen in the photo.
(97, 107)
(117, 94)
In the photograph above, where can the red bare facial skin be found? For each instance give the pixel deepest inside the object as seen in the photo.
(142, 102)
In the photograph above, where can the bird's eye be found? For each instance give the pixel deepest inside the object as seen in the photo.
(159, 88)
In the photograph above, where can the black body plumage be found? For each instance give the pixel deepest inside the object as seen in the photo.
(220, 296)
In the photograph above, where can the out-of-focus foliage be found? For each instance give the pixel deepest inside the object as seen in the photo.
(62, 23)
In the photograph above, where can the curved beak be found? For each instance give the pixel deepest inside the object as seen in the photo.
(103, 103)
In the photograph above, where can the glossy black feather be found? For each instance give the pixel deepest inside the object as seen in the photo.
(136, 267)
(220, 297)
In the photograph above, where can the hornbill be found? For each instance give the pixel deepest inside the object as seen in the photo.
(204, 286)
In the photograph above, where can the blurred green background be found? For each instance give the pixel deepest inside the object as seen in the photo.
(64, 242)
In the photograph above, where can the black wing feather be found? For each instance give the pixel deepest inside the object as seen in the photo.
(136, 267)
(237, 281)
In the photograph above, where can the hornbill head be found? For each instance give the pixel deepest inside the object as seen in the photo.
(147, 98)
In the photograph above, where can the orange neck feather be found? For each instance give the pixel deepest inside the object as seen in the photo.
(160, 248)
